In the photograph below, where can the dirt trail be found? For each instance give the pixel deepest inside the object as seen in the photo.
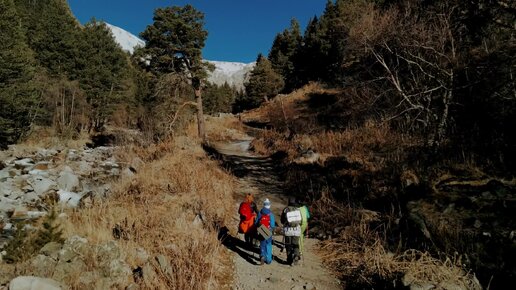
(258, 175)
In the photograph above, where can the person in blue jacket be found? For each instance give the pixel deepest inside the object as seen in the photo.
(266, 217)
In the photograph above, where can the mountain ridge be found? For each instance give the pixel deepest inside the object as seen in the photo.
(233, 73)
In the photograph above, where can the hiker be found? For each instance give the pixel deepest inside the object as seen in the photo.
(291, 219)
(265, 224)
(305, 215)
(248, 212)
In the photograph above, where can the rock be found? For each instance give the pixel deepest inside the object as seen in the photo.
(70, 199)
(108, 251)
(68, 181)
(73, 268)
(43, 265)
(51, 250)
(85, 168)
(148, 273)
(164, 264)
(4, 174)
(41, 166)
(450, 286)
(309, 286)
(23, 163)
(136, 164)
(197, 221)
(34, 283)
(422, 286)
(21, 213)
(127, 173)
(141, 256)
(73, 247)
(118, 270)
(41, 185)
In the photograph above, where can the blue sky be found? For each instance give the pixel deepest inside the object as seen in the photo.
(238, 29)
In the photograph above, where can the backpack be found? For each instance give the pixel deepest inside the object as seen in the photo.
(245, 211)
(264, 227)
(265, 220)
(293, 216)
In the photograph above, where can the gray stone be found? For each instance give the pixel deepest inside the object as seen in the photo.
(34, 283)
(69, 199)
(149, 274)
(422, 286)
(41, 185)
(23, 163)
(132, 286)
(73, 268)
(137, 164)
(43, 265)
(68, 181)
(73, 247)
(164, 264)
(109, 251)
(127, 173)
(141, 256)
(197, 221)
(118, 270)
(85, 168)
(51, 250)
(31, 198)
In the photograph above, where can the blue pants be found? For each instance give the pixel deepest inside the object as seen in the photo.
(266, 250)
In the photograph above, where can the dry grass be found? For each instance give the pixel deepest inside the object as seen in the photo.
(157, 209)
(224, 128)
(358, 254)
(46, 137)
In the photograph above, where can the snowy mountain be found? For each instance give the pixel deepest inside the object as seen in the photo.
(234, 73)
(125, 39)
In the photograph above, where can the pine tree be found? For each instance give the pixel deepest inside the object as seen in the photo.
(264, 83)
(283, 50)
(174, 45)
(105, 74)
(16, 72)
(53, 34)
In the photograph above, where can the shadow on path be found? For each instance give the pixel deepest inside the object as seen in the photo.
(250, 254)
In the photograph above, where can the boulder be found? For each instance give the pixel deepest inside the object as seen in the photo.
(41, 185)
(136, 164)
(43, 265)
(34, 283)
(69, 199)
(73, 268)
(23, 163)
(67, 180)
(51, 250)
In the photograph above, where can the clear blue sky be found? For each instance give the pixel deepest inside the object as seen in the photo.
(238, 29)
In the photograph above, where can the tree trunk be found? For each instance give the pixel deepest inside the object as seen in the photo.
(200, 115)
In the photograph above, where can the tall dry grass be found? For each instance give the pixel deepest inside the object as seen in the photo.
(358, 254)
(173, 207)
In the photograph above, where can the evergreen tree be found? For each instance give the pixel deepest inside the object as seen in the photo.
(105, 73)
(264, 83)
(17, 99)
(174, 45)
(283, 50)
(53, 34)
(219, 99)
(307, 59)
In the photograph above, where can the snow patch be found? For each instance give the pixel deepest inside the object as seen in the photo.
(125, 39)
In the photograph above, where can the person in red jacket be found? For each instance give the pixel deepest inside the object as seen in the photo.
(248, 212)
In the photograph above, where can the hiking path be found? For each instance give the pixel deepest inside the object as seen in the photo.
(259, 175)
